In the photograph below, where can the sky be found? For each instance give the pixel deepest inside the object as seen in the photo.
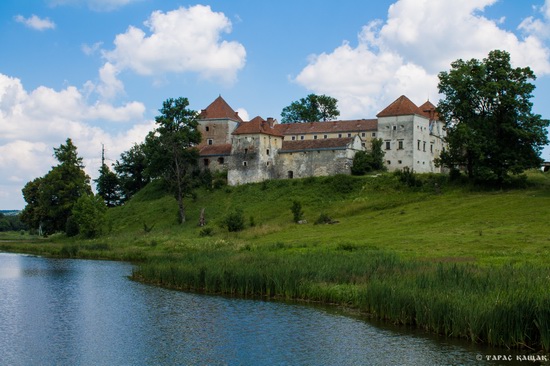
(97, 71)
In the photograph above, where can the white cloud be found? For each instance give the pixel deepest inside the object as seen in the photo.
(90, 50)
(404, 54)
(34, 22)
(182, 40)
(96, 5)
(243, 113)
(34, 122)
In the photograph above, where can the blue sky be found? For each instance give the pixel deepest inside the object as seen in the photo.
(97, 71)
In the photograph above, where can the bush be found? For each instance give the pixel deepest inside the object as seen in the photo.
(89, 214)
(207, 231)
(234, 221)
(324, 219)
(71, 227)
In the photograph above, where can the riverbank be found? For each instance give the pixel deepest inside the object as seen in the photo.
(452, 260)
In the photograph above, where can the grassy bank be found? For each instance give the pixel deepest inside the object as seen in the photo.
(454, 260)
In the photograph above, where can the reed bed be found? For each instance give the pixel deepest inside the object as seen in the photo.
(505, 306)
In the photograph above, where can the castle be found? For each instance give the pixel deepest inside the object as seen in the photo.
(260, 149)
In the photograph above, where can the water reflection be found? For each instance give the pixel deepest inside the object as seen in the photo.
(74, 312)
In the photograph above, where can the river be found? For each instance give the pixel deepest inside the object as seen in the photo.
(80, 312)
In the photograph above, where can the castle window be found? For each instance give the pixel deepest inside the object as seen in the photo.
(267, 163)
(424, 146)
(400, 145)
(210, 141)
(418, 144)
(388, 162)
(206, 162)
(315, 137)
(245, 163)
(349, 134)
(374, 134)
(432, 148)
(302, 137)
(388, 145)
(293, 138)
(363, 144)
(363, 134)
(325, 136)
(267, 152)
(246, 151)
(399, 162)
(394, 128)
(207, 128)
(339, 135)
(290, 174)
(220, 161)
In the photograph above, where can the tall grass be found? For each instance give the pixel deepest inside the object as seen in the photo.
(505, 306)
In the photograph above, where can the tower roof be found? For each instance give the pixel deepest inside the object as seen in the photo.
(428, 110)
(258, 125)
(402, 106)
(219, 109)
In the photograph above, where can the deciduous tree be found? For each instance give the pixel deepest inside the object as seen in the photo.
(491, 129)
(171, 148)
(312, 108)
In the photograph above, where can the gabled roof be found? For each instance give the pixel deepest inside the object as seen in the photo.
(319, 144)
(402, 106)
(428, 110)
(329, 127)
(219, 109)
(215, 150)
(255, 126)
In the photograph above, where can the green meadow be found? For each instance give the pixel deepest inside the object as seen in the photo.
(450, 258)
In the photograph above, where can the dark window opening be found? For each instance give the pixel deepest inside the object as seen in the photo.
(206, 162)
(220, 161)
(290, 174)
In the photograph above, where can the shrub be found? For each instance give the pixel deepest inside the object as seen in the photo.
(71, 227)
(207, 231)
(324, 219)
(234, 221)
(89, 214)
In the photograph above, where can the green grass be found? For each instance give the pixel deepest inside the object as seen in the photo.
(456, 261)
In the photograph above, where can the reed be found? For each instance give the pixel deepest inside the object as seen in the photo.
(505, 306)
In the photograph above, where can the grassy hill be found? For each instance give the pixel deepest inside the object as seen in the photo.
(448, 258)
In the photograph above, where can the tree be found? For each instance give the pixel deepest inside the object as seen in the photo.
(108, 186)
(89, 214)
(311, 109)
(50, 199)
(131, 171)
(170, 148)
(491, 130)
(368, 161)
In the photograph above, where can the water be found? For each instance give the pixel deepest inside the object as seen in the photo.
(77, 312)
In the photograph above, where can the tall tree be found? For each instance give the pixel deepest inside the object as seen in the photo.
(491, 130)
(170, 148)
(50, 199)
(108, 186)
(131, 170)
(312, 108)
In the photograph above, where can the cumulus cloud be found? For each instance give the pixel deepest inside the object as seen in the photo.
(404, 54)
(33, 122)
(182, 40)
(35, 22)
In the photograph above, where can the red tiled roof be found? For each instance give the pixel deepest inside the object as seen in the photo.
(329, 127)
(255, 126)
(219, 109)
(319, 144)
(211, 150)
(428, 110)
(402, 106)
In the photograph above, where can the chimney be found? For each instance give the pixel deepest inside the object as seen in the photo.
(270, 121)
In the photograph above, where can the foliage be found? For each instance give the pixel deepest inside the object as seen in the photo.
(297, 212)
(131, 171)
(50, 199)
(89, 215)
(408, 177)
(108, 187)
(234, 221)
(369, 161)
(11, 223)
(491, 130)
(324, 219)
(311, 109)
(170, 148)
